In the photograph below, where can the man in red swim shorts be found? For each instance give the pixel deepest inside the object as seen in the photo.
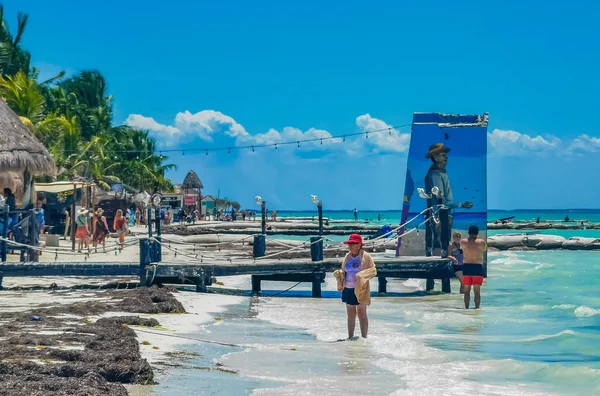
(473, 249)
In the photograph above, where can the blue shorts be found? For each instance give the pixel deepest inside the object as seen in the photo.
(349, 297)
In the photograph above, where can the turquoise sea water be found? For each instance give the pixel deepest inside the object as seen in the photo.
(537, 333)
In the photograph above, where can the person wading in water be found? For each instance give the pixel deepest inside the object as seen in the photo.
(353, 281)
(473, 249)
(455, 251)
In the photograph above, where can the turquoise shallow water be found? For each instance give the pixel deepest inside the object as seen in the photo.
(538, 333)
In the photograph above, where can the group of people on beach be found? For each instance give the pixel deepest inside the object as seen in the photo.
(358, 268)
(100, 230)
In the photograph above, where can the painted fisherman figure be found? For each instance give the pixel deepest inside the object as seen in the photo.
(437, 177)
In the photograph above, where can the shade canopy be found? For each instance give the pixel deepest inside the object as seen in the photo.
(58, 187)
(191, 181)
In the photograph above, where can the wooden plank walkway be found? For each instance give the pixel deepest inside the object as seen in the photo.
(201, 274)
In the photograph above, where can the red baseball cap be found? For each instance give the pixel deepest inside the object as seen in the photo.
(354, 238)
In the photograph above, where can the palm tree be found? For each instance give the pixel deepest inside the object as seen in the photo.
(13, 58)
(73, 118)
(22, 95)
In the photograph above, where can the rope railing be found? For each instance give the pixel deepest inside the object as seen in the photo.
(209, 243)
(165, 242)
(64, 252)
(290, 250)
(379, 239)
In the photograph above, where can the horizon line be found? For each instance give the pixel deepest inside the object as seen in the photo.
(400, 210)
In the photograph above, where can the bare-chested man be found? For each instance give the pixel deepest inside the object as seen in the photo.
(473, 249)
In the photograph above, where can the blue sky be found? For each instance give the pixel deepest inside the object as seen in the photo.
(208, 74)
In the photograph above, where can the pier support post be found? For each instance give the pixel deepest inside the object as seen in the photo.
(316, 284)
(4, 234)
(158, 234)
(263, 217)
(382, 288)
(34, 235)
(201, 286)
(259, 246)
(255, 284)
(429, 284)
(316, 248)
(202, 283)
(320, 209)
(446, 285)
(145, 259)
(149, 221)
(445, 231)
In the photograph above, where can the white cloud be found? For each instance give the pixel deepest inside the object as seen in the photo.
(203, 124)
(208, 122)
(320, 138)
(585, 144)
(148, 123)
(389, 140)
(512, 143)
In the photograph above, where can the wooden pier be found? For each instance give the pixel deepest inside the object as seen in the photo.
(201, 274)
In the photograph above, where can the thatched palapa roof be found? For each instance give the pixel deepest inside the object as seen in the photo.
(191, 181)
(19, 149)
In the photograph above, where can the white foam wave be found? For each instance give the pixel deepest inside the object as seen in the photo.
(582, 311)
(447, 379)
(418, 284)
(532, 307)
(564, 306)
(542, 337)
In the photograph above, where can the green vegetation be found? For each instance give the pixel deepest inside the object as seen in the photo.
(73, 118)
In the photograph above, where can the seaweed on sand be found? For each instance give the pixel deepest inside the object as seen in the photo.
(110, 355)
(32, 384)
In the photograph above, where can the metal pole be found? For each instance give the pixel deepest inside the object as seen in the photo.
(159, 246)
(263, 206)
(73, 214)
(149, 221)
(4, 233)
(320, 208)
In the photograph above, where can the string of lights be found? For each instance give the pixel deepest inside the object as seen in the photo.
(254, 147)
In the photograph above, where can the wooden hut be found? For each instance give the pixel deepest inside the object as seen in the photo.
(22, 156)
(192, 187)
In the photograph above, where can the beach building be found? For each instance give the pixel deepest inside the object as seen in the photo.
(192, 191)
(174, 199)
(208, 206)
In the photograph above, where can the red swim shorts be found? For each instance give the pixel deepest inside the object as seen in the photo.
(469, 280)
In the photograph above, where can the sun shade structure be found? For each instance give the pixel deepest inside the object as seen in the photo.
(191, 181)
(192, 187)
(20, 151)
(21, 155)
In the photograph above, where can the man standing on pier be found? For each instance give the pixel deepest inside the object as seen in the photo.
(473, 249)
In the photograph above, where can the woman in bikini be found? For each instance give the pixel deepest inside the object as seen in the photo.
(120, 226)
(100, 228)
(82, 234)
(456, 254)
(353, 281)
